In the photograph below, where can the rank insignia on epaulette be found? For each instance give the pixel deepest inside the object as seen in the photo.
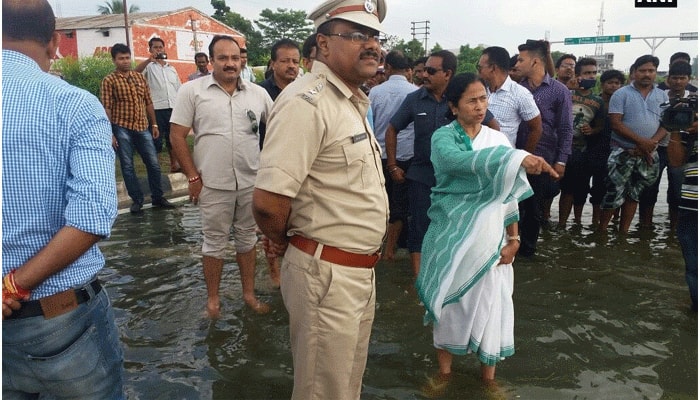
(310, 95)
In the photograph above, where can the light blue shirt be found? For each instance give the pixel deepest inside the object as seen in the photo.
(57, 169)
(641, 115)
(385, 101)
(512, 104)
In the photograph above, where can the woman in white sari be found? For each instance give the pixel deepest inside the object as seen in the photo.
(466, 273)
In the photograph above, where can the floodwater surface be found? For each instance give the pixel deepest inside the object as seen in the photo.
(595, 318)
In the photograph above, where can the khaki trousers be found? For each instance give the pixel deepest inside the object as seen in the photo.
(331, 309)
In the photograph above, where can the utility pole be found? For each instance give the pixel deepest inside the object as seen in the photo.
(422, 30)
(126, 22)
(194, 22)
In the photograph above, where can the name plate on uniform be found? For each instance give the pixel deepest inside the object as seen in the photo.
(359, 137)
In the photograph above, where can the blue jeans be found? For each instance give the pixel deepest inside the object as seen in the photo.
(143, 143)
(74, 355)
(687, 232)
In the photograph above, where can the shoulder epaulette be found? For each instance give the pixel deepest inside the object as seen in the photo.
(313, 92)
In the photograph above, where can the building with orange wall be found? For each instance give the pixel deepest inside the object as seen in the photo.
(185, 32)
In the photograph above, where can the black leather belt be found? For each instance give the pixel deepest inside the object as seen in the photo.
(33, 308)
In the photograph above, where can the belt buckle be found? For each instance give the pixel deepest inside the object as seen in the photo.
(59, 303)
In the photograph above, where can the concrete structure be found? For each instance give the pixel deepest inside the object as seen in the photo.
(185, 32)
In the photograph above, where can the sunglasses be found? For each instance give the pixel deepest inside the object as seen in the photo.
(253, 120)
(431, 70)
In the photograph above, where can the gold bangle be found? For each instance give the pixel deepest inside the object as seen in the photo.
(516, 237)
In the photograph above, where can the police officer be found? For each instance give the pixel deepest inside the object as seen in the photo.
(320, 189)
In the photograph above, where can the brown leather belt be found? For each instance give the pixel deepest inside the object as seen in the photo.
(57, 304)
(335, 255)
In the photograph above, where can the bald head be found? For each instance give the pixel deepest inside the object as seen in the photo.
(27, 20)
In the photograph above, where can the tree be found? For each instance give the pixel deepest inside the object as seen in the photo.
(413, 49)
(116, 7)
(257, 53)
(85, 72)
(467, 58)
(436, 48)
(283, 23)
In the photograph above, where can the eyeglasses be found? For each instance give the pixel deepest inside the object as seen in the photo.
(355, 37)
(569, 66)
(431, 70)
(253, 120)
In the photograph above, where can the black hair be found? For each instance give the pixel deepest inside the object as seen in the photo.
(449, 60)
(680, 68)
(282, 43)
(201, 54)
(397, 60)
(647, 58)
(583, 62)
(153, 40)
(537, 48)
(34, 21)
(244, 50)
(675, 57)
(215, 39)
(562, 58)
(421, 60)
(498, 56)
(612, 74)
(513, 61)
(456, 87)
(119, 48)
(308, 45)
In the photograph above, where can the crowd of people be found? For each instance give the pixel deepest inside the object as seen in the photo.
(338, 154)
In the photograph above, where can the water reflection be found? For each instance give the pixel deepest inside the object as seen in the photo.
(596, 318)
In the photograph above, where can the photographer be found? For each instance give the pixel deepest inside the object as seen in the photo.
(682, 121)
(164, 83)
(678, 78)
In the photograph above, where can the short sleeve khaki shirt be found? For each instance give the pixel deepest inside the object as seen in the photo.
(226, 130)
(321, 152)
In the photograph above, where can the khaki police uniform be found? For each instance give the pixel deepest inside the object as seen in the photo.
(321, 152)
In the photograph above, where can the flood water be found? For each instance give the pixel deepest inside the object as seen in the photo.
(595, 318)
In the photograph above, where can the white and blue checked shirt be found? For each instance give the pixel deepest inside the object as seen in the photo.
(57, 169)
(512, 104)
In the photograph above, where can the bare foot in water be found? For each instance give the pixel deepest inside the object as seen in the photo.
(214, 308)
(257, 306)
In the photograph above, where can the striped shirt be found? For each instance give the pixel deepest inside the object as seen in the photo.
(57, 169)
(689, 191)
(126, 96)
(554, 101)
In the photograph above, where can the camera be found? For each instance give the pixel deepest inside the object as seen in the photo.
(680, 113)
(161, 56)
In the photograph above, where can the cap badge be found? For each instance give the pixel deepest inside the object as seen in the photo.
(369, 6)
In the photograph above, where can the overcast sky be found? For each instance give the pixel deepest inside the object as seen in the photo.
(505, 23)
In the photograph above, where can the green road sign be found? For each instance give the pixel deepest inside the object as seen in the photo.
(597, 39)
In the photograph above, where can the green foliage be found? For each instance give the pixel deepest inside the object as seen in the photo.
(436, 48)
(283, 23)
(257, 53)
(467, 58)
(116, 7)
(85, 72)
(413, 49)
